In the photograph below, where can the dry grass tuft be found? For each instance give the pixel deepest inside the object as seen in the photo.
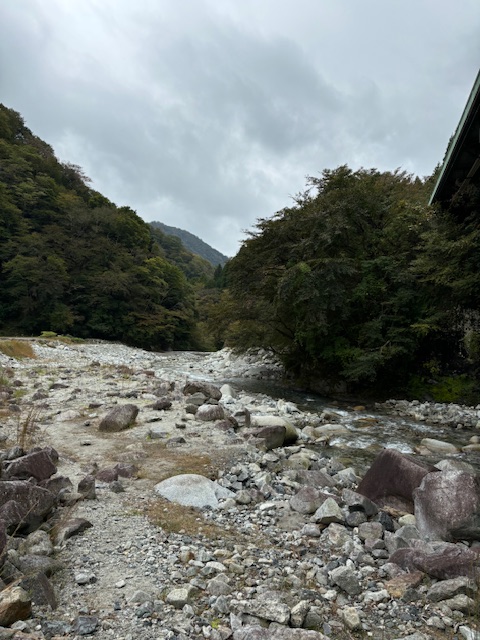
(124, 370)
(176, 518)
(17, 349)
(28, 427)
(163, 463)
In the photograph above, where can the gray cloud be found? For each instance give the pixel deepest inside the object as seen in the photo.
(208, 115)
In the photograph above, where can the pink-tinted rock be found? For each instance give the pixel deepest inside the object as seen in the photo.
(36, 465)
(126, 469)
(86, 487)
(23, 503)
(56, 484)
(447, 506)
(107, 475)
(162, 404)
(444, 562)
(392, 478)
(39, 587)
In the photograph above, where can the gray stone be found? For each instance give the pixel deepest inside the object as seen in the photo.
(450, 588)
(336, 534)
(40, 589)
(270, 437)
(351, 618)
(119, 418)
(346, 579)
(269, 607)
(218, 586)
(370, 530)
(299, 613)
(210, 412)
(86, 487)
(70, 527)
(355, 518)
(468, 633)
(460, 602)
(328, 512)
(291, 433)
(37, 543)
(438, 516)
(256, 632)
(438, 446)
(314, 478)
(307, 500)
(356, 502)
(85, 625)
(180, 596)
(311, 530)
(193, 490)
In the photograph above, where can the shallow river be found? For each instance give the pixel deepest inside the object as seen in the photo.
(369, 431)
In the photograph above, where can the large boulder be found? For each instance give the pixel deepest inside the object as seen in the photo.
(291, 433)
(447, 506)
(36, 465)
(268, 438)
(442, 561)
(210, 412)
(392, 479)
(198, 386)
(192, 490)
(22, 503)
(119, 418)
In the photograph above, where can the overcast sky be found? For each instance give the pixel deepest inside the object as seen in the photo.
(209, 114)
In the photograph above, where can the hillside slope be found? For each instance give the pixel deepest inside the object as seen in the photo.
(72, 261)
(194, 244)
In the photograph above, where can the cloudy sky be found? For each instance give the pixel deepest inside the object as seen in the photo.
(209, 114)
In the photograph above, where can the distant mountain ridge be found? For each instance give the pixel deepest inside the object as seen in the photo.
(193, 243)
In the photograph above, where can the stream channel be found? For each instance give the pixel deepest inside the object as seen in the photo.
(368, 430)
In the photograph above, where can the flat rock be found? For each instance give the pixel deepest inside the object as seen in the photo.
(192, 490)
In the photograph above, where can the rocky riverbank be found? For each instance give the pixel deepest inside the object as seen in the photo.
(279, 545)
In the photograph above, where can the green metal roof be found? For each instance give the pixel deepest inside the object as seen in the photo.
(462, 161)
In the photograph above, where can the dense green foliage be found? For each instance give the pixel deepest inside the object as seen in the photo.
(71, 261)
(347, 285)
(193, 243)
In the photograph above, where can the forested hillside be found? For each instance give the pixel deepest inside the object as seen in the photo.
(71, 261)
(194, 244)
(361, 284)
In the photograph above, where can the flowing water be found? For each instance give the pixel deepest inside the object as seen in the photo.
(368, 430)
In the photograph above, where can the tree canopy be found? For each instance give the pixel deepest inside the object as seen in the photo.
(72, 261)
(340, 283)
